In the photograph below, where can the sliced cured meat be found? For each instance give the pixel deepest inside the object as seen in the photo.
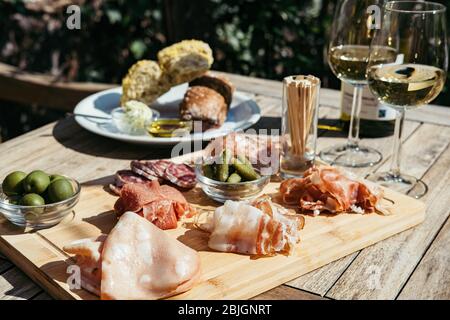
(259, 229)
(141, 262)
(144, 169)
(88, 257)
(115, 189)
(161, 213)
(134, 196)
(181, 175)
(119, 206)
(135, 261)
(160, 170)
(181, 206)
(331, 190)
(123, 177)
(160, 166)
(162, 205)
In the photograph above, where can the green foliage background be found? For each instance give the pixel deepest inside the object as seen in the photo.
(269, 39)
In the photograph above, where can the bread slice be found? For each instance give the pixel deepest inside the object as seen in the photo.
(143, 83)
(204, 104)
(185, 61)
(219, 83)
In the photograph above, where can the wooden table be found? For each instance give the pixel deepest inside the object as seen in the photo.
(412, 265)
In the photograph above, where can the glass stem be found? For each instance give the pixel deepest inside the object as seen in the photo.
(397, 150)
(353, 131)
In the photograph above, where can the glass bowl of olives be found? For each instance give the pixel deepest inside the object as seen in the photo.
(229, 177)
(37, 199)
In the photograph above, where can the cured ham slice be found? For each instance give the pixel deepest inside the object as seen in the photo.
(135, 261)
(161, 213)
(141, 262)
(258, 228)
(135, 196)
(162, 205)
(331, 190)
(88, 257)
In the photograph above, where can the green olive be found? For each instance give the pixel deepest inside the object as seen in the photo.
(59, 190)
(54, 177)
(31, 200)
(15, 200)
(12, 185)
(36, 182)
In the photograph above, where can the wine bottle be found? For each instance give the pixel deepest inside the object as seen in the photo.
(377, 120)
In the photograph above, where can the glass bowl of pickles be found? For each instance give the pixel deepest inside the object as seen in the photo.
(37, 199)
(229, 177)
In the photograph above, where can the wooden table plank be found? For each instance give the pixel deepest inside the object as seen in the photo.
(42, 296)
(431, 279)
(287, 293)
(389, 263)
(4, 265)
(15, 285)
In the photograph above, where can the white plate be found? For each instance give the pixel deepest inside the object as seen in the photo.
(243, 113)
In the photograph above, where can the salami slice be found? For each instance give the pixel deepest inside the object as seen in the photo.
(123, 177)
(127, 176)
(144, 169)
(160, 167)
(114, 189)
(181, 175)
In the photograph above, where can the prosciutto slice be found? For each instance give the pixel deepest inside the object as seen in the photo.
(88, 257)
(258, 228)
(331, 190)
(162, 205)
(141, 262)
(136, 261)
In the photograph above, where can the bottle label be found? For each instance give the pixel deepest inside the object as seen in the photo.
(371, 109)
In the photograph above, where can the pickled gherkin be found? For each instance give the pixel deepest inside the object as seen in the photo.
(208, 171)
(223, 166)
(245, 170)
(230, 169)
(234, 178)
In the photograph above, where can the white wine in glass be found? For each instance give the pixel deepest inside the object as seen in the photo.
(407, 85)
(415, 77)
(350, 61)
(348, 56)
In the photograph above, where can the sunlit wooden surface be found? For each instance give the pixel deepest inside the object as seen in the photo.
(414, 264)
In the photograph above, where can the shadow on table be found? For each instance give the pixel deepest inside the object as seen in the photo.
(268, 123)
(60, 271)
(334, 127)
(21, 287)
(69, 134)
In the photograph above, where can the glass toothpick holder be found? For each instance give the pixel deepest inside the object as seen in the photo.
(299, 124)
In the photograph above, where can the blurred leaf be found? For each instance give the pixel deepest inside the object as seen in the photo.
(138, 48)
(114, 16)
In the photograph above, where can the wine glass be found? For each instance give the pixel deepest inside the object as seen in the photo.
(413, 78)
(348, 55)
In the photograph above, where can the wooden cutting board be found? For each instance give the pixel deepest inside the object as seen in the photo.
(225, 276)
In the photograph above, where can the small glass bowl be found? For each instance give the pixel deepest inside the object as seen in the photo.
(37, 217)
(117, 118)
(223, 191)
